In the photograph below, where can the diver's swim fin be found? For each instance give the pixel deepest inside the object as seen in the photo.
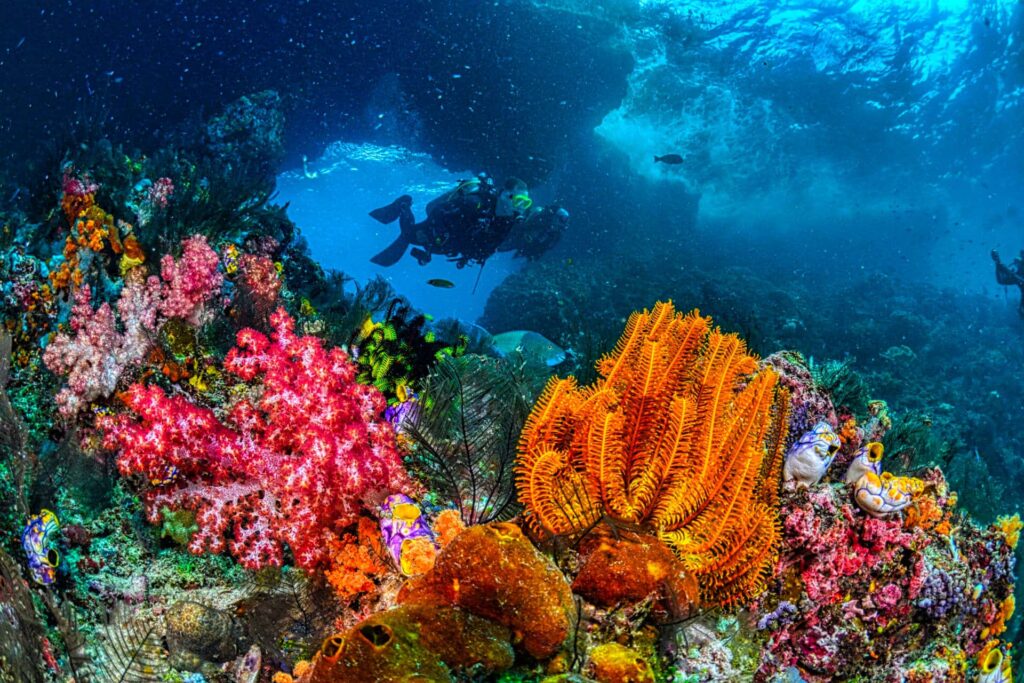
(392, 212)
(393, 254)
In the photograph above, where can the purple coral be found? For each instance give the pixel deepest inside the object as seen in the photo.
(941, 594)
(1002, 565)
(779, 617)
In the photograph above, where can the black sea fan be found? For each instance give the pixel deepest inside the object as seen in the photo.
(844, 385)
(287, 612)
(465, 433)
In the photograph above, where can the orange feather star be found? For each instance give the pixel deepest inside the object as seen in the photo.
(682, 434)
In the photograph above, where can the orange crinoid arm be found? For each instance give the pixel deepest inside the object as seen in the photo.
(682, 434)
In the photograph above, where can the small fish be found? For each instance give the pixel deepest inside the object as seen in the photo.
(441, 283)
(533, 347)
(36, 539)
(671, 159)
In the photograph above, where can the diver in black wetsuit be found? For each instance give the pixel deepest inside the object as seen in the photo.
(540, 229)
(467, 224)
(1012, 274)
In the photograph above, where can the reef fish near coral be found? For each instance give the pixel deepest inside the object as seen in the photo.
(36, 539)
(401, 523)
(534, 347)
(809, 458)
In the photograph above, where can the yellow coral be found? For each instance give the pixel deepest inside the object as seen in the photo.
(132, 254)
(682, 435)
(615, 663)
(1010, 526)
(76, 205)
(90, 227)
(998, 626)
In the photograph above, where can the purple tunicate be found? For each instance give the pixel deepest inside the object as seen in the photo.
(401, 521)
(942, 594)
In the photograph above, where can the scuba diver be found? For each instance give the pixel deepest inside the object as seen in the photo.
(540, 229)
(1011, 275)
(467, 224)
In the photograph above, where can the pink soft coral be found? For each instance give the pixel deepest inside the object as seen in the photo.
(98, 352)
(103, 345)
(294, 467)
(190, 281)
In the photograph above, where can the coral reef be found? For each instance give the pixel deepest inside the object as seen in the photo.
(259, 287)
(681, 434)
(810, 404)
(190, 282)
(356, 562)
(625, 568)
(96, 357)
(208, 377)
(196, 631)
(614, 663)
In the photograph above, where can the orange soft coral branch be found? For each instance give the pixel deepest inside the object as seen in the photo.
(682, 434)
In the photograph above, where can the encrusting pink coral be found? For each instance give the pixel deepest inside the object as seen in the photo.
(855, 594)
(98, 352)
(190, 281)
(295, 467)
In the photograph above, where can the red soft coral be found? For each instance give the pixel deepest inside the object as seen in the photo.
(294, 467)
